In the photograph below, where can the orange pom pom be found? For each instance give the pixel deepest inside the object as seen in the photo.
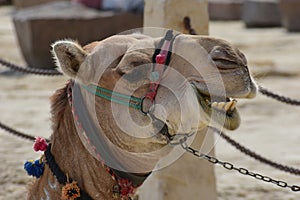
(70, 191)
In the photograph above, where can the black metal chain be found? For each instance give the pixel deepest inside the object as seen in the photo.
(230, 166)
(18, 133)
(278, 97)
(184, 145)
(177, 140)
(29, 70)
(254, 155)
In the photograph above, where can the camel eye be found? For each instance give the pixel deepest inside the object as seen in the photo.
(225, 64)
(224, 61)
(224, 58)
(218, 53)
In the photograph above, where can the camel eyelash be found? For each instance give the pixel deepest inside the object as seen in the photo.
(225, 62)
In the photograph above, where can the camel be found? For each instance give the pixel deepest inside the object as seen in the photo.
(197, 88)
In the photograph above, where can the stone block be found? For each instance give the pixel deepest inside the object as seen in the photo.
(38, 27)
(170, 14)
(290, 14)
(225, 10)
(27, 3)
(261, 13)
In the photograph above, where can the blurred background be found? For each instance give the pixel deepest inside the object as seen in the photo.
(266, 31)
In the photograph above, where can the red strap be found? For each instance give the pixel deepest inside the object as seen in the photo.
(158, 71)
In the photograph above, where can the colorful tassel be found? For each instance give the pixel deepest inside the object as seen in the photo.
(40, 144)
(34, 168)
(70, 191)
(126, 187)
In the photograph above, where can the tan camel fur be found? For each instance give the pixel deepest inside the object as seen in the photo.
(190, 177)
(199, 67)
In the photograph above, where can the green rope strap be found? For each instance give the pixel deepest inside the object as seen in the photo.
(115, 97)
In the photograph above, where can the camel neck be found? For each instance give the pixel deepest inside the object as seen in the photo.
(72, 157)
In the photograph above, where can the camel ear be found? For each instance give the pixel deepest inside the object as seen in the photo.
(68, 56)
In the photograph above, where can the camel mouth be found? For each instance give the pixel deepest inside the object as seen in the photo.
(221, 110)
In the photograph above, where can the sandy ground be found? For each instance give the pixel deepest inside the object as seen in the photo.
(268, 127)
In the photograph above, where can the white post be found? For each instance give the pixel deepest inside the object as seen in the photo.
(188, 177)
(170, 14)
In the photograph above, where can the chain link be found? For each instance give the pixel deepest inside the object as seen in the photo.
(18, 133)
(254, 155)
(278, 97)
(230, 166)
(30, 70)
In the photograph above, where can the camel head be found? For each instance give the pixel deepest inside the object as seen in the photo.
(231, 63)
(200, 84)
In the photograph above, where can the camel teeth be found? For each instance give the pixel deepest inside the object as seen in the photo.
(228, 105)
(208, 102)
(218, 105)
(234, 102)
(224, 106)
(214, 104)
(221, 105)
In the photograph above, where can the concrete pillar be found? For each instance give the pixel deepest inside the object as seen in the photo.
(188, 177)
(170, 14)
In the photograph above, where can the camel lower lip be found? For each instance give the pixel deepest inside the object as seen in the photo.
(221, 110)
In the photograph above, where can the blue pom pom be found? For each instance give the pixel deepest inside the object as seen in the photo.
(34, 168)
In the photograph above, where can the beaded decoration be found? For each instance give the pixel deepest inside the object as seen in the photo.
(36, 168)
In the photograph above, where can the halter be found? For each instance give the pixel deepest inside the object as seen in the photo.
(127, 182)
(161, 59)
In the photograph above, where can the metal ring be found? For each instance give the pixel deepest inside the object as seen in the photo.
(142, 102)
